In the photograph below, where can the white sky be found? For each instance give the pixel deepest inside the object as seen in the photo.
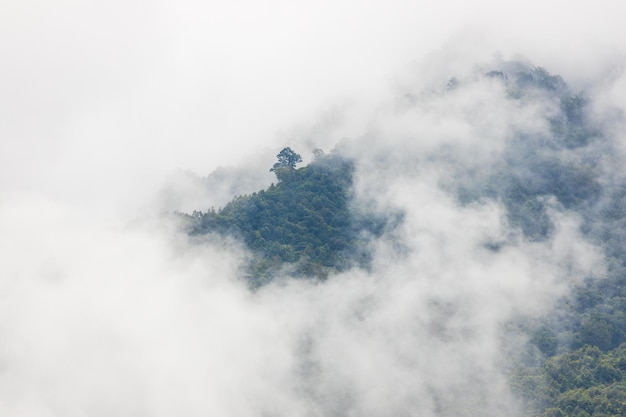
(116, 95)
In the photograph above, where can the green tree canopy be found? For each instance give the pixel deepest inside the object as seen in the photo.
(287, 160)
(306, 220)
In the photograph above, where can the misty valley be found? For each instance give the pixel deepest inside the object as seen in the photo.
(480, 274)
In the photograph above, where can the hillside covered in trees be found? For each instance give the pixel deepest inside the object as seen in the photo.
(571, 169)
(313, 209)
(308, 225)
(304, 222)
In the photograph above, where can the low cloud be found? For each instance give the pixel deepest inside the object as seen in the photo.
(108, 309)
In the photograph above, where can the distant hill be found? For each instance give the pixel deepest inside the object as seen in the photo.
(305, 222)
(571, 168)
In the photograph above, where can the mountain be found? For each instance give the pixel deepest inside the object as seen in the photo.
(308, 225)
(572, 168)
(305, 221)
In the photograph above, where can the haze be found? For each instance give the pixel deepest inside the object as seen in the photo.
(107, 309)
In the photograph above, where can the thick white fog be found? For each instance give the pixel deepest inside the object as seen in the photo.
(111, 112)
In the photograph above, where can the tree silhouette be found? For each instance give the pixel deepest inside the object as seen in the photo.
(287, 160)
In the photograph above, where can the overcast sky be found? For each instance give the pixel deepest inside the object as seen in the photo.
(122, 93)
(102, 102)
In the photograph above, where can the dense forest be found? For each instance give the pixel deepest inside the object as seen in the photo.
(304, 222)
(575, 365)
(582, 370)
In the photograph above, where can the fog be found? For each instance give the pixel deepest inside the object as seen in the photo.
(114, 113)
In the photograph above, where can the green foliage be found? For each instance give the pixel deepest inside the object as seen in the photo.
(578, 362)
(585, 382)
(558, 169)
(287, 160)
(570, 168)
(306, 220)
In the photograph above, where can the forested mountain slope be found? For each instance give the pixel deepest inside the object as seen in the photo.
(306, 220)
(575, 363)
(573, 169)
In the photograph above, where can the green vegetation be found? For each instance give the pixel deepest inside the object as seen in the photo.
(306, 221)
(581, 369)
(286, 165)
(583, 383)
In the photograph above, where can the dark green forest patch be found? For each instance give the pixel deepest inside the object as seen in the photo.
(307, 221)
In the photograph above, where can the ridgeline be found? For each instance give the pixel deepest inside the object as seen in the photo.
(575, 362)
(305, 223)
